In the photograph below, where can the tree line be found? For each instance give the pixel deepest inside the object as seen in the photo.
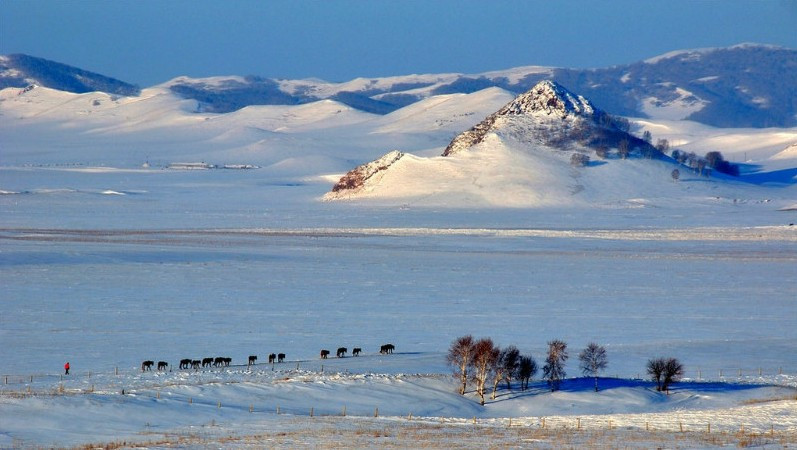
(485, 365)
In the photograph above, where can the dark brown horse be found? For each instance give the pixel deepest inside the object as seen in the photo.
(147, 365)
(356, 351)
(252, 360)
(324, 354)
(162, 365)
(281, 357)
(387, 348)
(341, 352)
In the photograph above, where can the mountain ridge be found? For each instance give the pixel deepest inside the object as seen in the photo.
(721, 87)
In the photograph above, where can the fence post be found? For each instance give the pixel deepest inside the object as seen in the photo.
(543, 423)
(759, 371)
(376, 412)
(31, 378)
(251, 407)
(578, 423)
(344, 410)
(647, 426)
(311, 411)
(681, 426)
(117, 370)
(190, 400)
(278, 409)
(158, 395)
(219, 405)
(708, 428)
(474, 420)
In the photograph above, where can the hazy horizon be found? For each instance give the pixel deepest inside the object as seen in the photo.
(148, 42)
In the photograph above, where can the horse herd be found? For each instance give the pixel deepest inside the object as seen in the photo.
(221, 361)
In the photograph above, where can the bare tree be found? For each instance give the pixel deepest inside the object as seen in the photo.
(592, 360)
(647, 137)
(504, 367)
(673, 370)
(714, 159)
(622, 148)
(511, 363)
(655, 368)
(527, 368)
(675, 174)
(663, 145)
(459, 356)
(664, 371)
(554, 368)
(579, 159)
(485, 354)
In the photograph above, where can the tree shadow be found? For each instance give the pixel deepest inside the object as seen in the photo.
(587, 384)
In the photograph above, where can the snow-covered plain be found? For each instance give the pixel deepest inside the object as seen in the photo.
(105, 263)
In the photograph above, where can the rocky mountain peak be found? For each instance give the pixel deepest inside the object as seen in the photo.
(544, 102)
(356, 178)
(548, 98)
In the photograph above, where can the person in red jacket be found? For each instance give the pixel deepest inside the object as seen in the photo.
(66, 368)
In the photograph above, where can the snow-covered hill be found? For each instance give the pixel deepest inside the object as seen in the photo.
(747, 85)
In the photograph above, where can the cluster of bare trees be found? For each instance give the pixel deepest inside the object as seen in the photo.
(704, 165)
(481, 361)
(664, 371)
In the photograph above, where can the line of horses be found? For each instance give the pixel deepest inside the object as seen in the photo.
(221, 361)
(341, 353)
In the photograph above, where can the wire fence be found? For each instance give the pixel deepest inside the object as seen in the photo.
(34, 380)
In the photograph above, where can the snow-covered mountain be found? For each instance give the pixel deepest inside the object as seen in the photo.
(20, 70)
(747, 85)
(534, 151)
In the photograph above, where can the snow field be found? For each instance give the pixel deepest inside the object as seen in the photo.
(105, 263)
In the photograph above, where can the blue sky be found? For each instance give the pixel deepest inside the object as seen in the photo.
(150, 41)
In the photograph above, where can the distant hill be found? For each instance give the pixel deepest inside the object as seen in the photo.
(747, 85)
(20, 70)
(742, 86)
